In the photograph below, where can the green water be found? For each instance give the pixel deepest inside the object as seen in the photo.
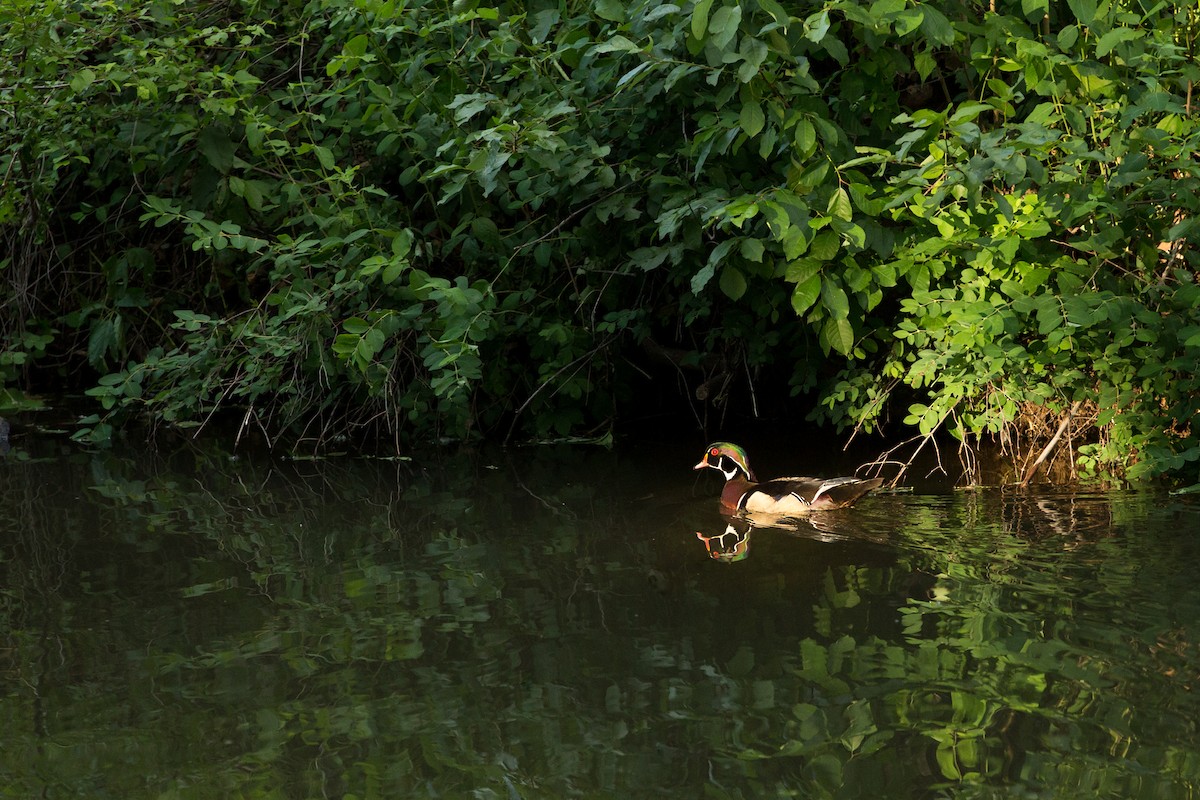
(548, 624)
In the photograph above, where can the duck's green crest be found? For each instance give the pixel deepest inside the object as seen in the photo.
(716, 450)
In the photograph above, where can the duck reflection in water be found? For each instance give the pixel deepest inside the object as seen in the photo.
(733, 544)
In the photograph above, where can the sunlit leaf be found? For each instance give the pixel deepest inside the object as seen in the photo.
(1114, 38)
(1084, 10)
(700, 18)
(839, 205)
(838, 334)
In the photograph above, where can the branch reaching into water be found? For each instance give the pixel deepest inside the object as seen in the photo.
(1062, 426)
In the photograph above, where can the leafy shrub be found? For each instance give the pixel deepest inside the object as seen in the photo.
(439, 219)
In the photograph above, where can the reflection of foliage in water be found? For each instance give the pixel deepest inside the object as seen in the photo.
(1034, 654)
(218, 628)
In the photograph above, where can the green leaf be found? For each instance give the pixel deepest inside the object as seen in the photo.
(393, 270)
(834, 299)
(733, 283)
(908, 21)
(466, 106)
(103, 340)
(936, 27)
(805, 138)
(924, 64)
(1115, 37)
(344, 344)
(851, 233)
(752, 250)
(645, 258)
(838, 334)
(839, 205)
(794, 243)
(724, 25)
(816, 26)
(861, 724)
(776, 11)
(754, 52)
(214, 144)
(700, 18)
(836, 49)
(82, 80)
(633, 73)
(325, 156)
(356, 325)
(860, 196)
(969, 111)
(857, 279)
(490, 168)
(616, 44)
(1084, 10)
(1049, 317)
(917, 275)
(678, 72)
(611, 10)
(802, 269)
(1035, 10)
(252, 192)
(921, 415)
(402, 243)
(356, 47)
(824, 246)
(752, 119)
(806, 293)
(947, 761)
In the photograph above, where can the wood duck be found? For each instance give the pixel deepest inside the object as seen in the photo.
(784, 497)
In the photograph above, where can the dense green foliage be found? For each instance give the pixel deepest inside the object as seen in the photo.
(435, 218)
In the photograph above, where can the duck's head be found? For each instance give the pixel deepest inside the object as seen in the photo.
(728, 459)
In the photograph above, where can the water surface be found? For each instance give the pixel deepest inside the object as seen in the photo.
(553, 623)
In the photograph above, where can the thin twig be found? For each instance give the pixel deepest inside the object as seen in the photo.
(750, 383)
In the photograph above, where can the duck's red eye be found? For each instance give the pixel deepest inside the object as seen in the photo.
(714, 452)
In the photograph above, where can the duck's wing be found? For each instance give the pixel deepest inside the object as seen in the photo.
(819, 493)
